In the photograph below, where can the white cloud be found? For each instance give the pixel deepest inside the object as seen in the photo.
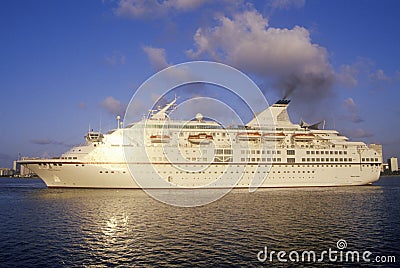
(115, 59)
(287, 56)
(113, 106)
(349, 104)
(352, 112)
(348, 75)
(360, 133)
(286, 4)
(379, 75)
(153, 9)
(157, 57)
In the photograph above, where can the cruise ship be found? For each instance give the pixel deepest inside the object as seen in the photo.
(160, 152)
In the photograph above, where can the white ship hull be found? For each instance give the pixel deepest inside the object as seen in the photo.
(118, 176)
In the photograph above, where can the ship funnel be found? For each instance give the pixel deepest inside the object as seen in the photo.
(283, 101)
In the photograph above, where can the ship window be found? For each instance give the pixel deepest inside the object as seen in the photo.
(308, 159)
(316, 152)
(317, 159)
(312, 152)
(345, 159)
(341, 159)
(363, 159)
(331, 152)
(336, 159)
(332, 160)
(291, 160)
(336, 152)
(290, 152)
(340, 152)
(322, 152)
(101, 171)
(345, 152)
(308, 152)
(303, 159)
(313, 160)
(376, 159)
(326, 152)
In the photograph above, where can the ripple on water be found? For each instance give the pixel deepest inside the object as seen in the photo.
(72, 227)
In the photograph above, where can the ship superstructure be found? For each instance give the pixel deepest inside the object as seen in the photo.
(158, 152)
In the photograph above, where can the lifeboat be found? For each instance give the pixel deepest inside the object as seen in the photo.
(249, 136)
(202, 138)
(304, 137)
(160, 138)
(273, 136)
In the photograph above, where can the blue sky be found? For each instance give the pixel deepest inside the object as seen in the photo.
(65, 65)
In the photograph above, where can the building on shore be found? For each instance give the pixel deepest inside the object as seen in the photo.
(385, 167)
(6, 172)
(23, 171)
(393, 164)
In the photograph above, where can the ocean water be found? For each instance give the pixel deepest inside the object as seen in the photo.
(42, 227)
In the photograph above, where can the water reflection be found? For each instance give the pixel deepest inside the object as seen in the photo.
(126, 227)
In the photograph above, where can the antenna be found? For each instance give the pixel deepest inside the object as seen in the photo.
(100, 124)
